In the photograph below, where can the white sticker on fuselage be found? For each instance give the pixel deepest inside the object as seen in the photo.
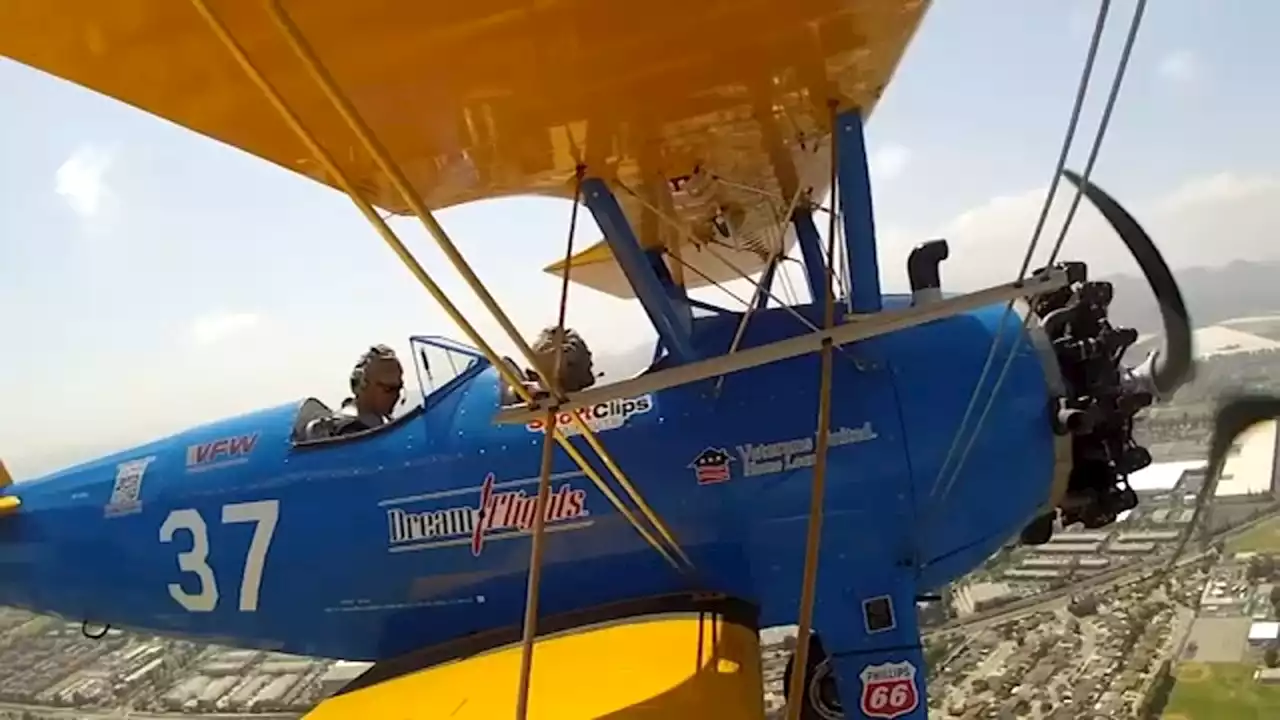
(126, 493)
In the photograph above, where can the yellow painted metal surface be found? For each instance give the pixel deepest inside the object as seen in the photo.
(664, 667)
(485, 98)
(9, 505)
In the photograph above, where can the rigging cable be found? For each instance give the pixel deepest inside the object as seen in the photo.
(1117, 82)
(1082, 90)
(1122, 68)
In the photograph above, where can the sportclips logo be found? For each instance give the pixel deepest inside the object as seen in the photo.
(500, 514)
(600, 417)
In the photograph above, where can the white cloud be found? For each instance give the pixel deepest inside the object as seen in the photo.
(889, 161)
(1205, 221)
(216, 327)
(80, 180)
(1181, 66)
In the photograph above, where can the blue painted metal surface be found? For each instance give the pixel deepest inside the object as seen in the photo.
(811, 250)
(663, 300)
(766, 284)
(854, 189)
(374, 546)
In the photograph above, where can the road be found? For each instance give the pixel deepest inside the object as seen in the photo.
(96, 714)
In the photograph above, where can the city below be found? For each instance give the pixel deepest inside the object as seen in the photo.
(1094, 623)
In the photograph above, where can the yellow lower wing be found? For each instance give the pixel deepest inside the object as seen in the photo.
(666, 667)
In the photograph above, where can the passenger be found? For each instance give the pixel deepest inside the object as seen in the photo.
(377, 381)
(576, 369)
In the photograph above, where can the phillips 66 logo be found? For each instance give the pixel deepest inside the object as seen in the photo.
(889, 690)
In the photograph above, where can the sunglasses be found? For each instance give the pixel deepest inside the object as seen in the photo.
(392, 387)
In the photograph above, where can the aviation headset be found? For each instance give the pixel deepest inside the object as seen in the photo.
(372, 355)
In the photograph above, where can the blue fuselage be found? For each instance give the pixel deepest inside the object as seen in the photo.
(417, 534)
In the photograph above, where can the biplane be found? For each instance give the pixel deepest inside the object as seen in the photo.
(610, 551)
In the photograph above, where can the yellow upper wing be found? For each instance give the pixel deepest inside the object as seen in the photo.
(484, 98)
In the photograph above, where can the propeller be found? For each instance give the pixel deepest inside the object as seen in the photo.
(1101, 395)
(1168, 368)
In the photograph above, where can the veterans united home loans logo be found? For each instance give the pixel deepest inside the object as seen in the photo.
(498, 515)
(768, 458)
(600, 417)
(712, 466)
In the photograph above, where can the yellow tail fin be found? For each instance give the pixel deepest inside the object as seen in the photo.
(8, 503)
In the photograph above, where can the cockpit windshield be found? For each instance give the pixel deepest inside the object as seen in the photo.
(439, 361)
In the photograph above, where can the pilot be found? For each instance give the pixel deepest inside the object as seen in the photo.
(377, 381)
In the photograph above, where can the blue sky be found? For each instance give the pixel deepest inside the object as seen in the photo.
(150, 278)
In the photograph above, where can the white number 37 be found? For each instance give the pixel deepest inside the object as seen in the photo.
(263, 514)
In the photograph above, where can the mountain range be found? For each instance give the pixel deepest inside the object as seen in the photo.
(1239, 289)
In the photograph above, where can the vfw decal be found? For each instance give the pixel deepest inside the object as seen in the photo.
(889, 690)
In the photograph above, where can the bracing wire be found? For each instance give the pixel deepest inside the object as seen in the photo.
(1122, 68)
(1082, 90)
(1117, 82)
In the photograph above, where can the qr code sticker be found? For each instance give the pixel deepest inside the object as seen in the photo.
(126, 493)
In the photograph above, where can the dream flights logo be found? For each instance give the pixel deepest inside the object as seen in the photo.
(499, 514)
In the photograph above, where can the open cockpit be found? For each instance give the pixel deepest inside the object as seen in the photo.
(442, 365)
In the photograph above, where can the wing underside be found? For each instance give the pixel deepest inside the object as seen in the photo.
(668, 665)
(485, 99)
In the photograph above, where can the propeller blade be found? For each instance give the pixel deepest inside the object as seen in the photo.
(1173, 366)
(1235, 415)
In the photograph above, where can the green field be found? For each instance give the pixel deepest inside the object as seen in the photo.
(1208, 691)
(1265, 538)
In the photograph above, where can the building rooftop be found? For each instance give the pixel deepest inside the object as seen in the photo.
(1261, 631)
(1250, 466)
(1250, 469)
(1162, 476)
(980, 591)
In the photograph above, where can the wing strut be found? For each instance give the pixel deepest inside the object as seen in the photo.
(344, 107)
(671, 551)
(324, 80)
(813, 538)
(544, 479)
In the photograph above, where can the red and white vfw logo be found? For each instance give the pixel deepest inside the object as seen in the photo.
(889, 690)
